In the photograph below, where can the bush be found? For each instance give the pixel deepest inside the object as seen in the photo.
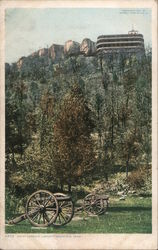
(13, 204)
(33, 172)
(137, 178)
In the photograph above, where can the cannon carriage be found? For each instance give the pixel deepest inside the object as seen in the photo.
(44, 208)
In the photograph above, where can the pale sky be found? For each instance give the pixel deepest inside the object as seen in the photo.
(27, 30)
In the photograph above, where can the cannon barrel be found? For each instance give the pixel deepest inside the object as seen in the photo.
(18, 219)
(21, 218)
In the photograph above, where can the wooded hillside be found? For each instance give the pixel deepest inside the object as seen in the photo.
(77, 120)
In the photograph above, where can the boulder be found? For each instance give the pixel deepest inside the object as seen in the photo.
(120, 193)
(122, 198)
(88, 47)
(56, 52)
(134, 192)
(79, 202)
(71, 48)
(129, 192)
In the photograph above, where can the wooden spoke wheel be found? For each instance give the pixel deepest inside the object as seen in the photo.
(93, 204)
(66, 209)
(42, 208)
(105, 204)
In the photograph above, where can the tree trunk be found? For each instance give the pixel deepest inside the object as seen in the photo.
(112, 130)
(101, 65)
(13, 158)
(61, 186)
(21, 150)
(126, 168)
(69, 188)
(112, 118)
(106, 176)
(98, 111)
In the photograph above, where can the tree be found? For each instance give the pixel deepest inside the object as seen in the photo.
(18, 123)
(46, 118)
(130, 147)
(74, 156)
(35, 171)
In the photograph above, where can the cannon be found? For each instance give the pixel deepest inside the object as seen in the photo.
(44, 208)
(95, 204)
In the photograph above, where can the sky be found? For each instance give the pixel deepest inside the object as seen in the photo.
(27, 30)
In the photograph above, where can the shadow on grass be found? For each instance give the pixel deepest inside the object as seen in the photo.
(128, 209)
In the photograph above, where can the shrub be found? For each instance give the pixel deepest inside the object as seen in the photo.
(13, 204)
(137, 178)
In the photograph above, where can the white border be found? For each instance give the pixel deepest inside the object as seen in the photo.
(81, 241)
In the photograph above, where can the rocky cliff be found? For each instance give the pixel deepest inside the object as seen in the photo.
(71, 48)
(57, 52)
(88, 47)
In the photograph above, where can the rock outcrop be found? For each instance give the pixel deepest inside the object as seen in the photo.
(43, 52)
(88, 47)
(56, 52)
(20, 62)
(36, 53)
(71, 48)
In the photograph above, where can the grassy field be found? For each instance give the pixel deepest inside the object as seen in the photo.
(132, 215)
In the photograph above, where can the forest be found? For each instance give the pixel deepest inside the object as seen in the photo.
(77, 120)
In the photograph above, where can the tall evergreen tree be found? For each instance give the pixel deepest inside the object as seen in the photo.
(74, 156)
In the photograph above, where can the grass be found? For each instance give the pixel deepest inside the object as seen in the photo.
(130, 216)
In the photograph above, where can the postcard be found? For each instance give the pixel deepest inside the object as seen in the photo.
(78, 86)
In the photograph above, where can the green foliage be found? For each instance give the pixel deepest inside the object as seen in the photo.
(35, 171)
(13, 204)
(50, 137)
(136, 179)
(139, 179)
(73, 153)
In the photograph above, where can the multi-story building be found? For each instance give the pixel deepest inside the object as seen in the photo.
(133, 42)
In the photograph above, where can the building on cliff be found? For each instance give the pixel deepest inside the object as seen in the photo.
(133, 42)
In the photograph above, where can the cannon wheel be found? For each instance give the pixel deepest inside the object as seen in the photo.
(42, 208)
(66, 210)
(92, 204)
(105, 204)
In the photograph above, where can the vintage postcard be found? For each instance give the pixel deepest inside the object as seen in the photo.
(78, 109)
